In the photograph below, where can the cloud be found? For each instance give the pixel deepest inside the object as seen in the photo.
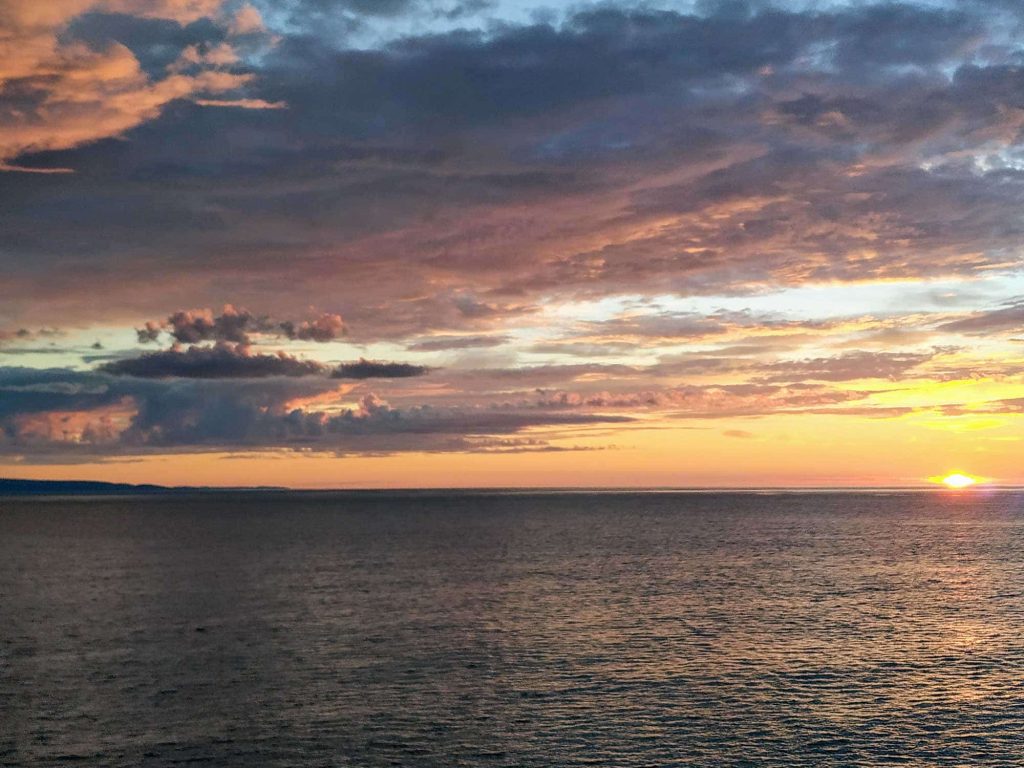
(195, 325)
(12, 342)
(738, 433)
(848, 367)
(662, 325)
(375, 369)
(232, 356)
(30, 391)
(65, 414)
(1006, 405)
(1008, 318)
(655, 326)
(714, 401)
(27, 334)
(607, 151)
(326, 327)
(246, 21)
(21, 333)
(585, 349)
(75, 95)
(148, 333)
(223, 361)
(241, 103)
(65, 81)
(236, 325)
(445, 343)
(226, 360)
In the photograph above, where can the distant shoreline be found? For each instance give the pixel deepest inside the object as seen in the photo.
(21, 487)
(17, 487)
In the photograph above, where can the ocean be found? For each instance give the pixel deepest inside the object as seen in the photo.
(513, 629)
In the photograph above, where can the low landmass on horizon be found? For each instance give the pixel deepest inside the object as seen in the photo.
(20, 487)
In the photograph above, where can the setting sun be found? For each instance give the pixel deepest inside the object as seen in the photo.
(957, 480)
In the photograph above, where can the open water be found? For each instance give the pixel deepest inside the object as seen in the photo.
(506, 629)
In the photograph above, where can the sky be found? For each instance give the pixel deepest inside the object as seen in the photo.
(410, 243)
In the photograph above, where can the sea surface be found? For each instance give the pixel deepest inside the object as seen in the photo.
(505, 629)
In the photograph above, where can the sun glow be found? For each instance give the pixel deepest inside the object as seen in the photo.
(958, 480)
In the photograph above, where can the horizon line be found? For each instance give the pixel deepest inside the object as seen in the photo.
(524, 489)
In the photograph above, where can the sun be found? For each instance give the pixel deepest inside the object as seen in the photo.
(958, 480)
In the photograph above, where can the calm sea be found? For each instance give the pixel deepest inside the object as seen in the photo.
(813, 629)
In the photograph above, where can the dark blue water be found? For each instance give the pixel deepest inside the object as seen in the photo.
(513, 630)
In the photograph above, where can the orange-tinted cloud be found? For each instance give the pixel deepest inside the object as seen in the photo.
(61, 94)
